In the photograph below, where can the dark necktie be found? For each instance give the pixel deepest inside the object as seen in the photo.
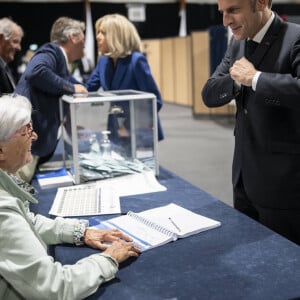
(10, 77)
(250, 48)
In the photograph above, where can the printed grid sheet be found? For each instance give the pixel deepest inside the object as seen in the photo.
(84, 200)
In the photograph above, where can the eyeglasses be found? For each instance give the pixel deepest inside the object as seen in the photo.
(29, 130)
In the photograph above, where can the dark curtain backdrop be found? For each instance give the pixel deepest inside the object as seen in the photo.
(162, 20)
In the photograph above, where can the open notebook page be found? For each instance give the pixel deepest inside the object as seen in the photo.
(179, 220)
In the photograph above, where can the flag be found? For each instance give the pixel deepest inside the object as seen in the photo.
(89, 35)
(182, 15)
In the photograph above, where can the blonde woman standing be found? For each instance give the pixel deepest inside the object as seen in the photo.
(121, 66)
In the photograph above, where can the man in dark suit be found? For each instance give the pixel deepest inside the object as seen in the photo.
(11, 35)
(45, 80)
(266, 87)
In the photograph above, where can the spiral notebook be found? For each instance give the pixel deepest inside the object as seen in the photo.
(158, 226)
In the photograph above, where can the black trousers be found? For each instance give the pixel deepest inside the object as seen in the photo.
(286, 222)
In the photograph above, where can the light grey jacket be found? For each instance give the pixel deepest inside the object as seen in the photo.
(26, 270)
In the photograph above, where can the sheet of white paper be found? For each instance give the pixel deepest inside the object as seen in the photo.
(179, 220)
(85, 200)
(133, 184)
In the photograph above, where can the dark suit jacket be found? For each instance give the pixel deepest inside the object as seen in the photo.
(44, 81)
(267, 131)
(131, 72)
(5, 85)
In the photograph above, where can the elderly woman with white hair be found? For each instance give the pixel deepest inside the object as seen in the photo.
(26, 270)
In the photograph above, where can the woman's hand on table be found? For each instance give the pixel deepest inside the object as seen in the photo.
(103, 238)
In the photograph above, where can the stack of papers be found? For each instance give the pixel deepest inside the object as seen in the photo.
(95, 167)
(53, 179)
(133, 184)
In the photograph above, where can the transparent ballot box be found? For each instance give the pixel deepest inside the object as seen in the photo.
(108, 133)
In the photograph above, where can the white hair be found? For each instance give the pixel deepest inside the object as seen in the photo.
(7, 28)
(15, 112)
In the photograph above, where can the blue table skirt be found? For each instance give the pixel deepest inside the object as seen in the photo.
(239, 260)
